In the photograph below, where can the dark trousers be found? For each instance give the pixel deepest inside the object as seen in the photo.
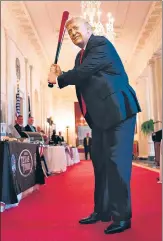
(87, 150)
(157, 153)
(112, 162)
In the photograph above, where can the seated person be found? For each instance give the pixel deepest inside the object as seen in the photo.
(38, 129)
(19, 125)
(60, 138)
(54, 138)
(45, 137)
(30, 126)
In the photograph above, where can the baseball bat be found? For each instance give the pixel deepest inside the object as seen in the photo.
(60, 38)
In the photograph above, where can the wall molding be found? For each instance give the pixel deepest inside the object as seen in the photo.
(25, 23)
(148, 42)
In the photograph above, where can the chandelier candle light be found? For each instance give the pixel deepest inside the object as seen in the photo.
(92, 13)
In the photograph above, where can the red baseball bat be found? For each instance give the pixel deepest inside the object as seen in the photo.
(60, 38)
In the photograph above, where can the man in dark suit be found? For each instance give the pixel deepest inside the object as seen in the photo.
(29, 127)
(54, 138)
(109, 105)
(19, 124)
(60, 138)
(87, 143)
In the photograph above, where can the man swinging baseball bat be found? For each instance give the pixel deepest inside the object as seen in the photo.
(109, 105)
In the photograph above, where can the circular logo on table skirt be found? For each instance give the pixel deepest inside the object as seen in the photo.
(25, 163)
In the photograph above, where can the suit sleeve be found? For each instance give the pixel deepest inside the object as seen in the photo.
(96, 60)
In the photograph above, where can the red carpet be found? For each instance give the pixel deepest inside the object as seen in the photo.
(52, 213)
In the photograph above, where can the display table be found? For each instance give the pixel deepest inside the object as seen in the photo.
(81, 153)
(55, 157)
(69, 156)
(20, 171)
(75, 156)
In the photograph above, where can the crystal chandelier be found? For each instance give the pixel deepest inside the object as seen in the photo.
(92, 13)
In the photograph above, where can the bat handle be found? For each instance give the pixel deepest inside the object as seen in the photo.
(49, 84)
(56, 59)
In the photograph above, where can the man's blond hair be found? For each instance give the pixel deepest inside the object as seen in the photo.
(75, 19)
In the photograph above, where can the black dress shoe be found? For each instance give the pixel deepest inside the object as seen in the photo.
(118, 227)
(93, 218)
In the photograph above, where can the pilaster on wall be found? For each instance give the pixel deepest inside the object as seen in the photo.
(149, 41)
(158, 85)
(142, 93)
(149, 92)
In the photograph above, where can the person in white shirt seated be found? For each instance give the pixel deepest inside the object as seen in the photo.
(29, 127)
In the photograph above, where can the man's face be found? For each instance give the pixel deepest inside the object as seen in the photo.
(30, 121)
(20, 120)
(60, 133)
(78, 32)
(87, 134)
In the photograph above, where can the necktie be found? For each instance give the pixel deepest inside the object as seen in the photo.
(82, 100)
(33, 130)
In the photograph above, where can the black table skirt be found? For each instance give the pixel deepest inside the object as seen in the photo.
(20, 169)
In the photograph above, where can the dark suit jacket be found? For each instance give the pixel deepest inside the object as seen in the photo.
(28, 128)
(103, 83)
(89, 142)
(19, 129)
(60, 139)
(54, 138)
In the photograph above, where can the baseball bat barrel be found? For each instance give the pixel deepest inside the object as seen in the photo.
(60, 38)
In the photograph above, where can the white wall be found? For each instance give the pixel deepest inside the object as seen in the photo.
(142, 94)
(3, 76)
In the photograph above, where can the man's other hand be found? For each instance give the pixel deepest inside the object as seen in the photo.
(55, 71)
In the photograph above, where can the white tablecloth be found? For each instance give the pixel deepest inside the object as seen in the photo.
(55, 157)
(70, 161)
(76, 158)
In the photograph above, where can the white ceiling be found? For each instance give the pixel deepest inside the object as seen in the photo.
(46, 17)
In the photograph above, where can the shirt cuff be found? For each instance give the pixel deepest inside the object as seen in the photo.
(57, 83)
